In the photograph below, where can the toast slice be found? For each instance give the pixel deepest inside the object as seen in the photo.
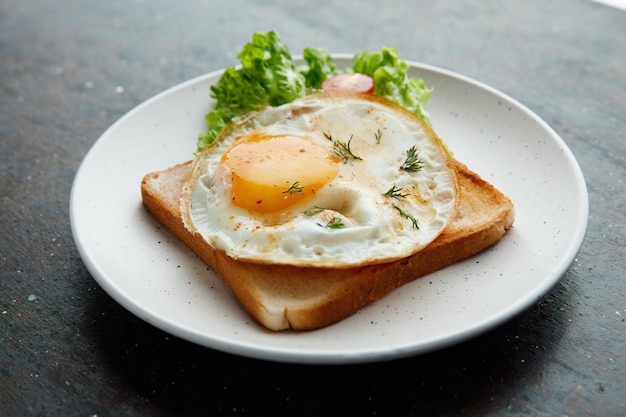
(297, 298)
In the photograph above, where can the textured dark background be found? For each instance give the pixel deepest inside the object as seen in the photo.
(70, 68)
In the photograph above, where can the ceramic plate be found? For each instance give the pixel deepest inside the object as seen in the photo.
(148, 271)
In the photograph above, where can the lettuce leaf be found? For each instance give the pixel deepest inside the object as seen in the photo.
(267, 76)
(319, 66)
(391, 80)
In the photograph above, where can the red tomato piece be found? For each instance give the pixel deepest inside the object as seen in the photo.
(352, 82)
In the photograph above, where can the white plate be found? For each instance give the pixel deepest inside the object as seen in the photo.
(149, 272)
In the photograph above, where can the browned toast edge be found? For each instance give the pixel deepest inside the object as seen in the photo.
(346, 290)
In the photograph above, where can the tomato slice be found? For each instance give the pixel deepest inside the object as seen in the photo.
(351, 82)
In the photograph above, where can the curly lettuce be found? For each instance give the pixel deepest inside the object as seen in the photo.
(268, 76)
(318, 66)
(391, 80)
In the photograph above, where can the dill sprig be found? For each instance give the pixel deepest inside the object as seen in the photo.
(315, 210)
(407, 216)
(295, 188)
(412, 163)
(342, 150)
(395, 192)
(334, 223)
(378, 135)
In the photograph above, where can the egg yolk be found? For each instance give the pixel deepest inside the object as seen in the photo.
(271, 173)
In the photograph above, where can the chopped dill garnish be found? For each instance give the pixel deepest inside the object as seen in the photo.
(407, 216)
(314, 211)
(378, 135)
(295, 188)
(395, 192)
(412, 163)
(334, 223)
(342, 150)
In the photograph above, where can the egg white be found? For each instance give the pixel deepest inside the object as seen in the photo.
(377, 228)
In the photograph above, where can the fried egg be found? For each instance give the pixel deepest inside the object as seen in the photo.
(331, 180)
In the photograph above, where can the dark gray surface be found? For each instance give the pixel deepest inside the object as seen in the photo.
(69, 69)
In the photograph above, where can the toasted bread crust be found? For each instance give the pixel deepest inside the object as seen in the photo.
(286, 297)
